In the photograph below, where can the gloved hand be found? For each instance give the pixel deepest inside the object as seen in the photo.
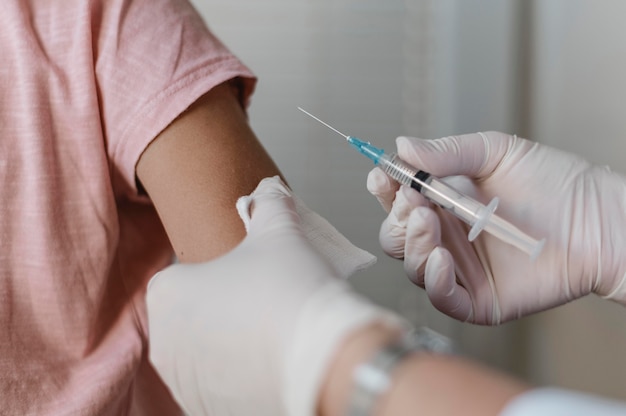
(252, 332)
(580, 209)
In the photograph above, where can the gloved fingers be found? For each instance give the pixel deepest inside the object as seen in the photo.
(475, 155)
(443, 289)
(382, 187)
(272, 206)
(423, 234)
(393, 229)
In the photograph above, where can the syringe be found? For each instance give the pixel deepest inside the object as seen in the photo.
(478, 216)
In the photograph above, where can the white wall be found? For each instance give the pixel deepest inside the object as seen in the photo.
(579, 78)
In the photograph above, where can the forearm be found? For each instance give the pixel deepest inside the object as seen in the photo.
(429, 383)
(195, 170)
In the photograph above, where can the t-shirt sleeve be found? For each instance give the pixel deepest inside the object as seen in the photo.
(153, 59)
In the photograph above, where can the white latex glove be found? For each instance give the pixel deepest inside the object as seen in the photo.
(252, 332)
(580, 209)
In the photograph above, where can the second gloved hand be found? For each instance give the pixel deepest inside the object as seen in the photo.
(578, 208)
(253, 332)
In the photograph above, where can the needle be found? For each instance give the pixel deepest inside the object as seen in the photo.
(327, 125)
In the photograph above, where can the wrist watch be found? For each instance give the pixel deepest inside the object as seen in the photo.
(373, 378)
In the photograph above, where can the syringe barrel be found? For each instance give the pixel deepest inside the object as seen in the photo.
(475, 214)
(434, 189)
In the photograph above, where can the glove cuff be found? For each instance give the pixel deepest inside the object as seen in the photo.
(619, 293)
(609, 221)
(326, 320)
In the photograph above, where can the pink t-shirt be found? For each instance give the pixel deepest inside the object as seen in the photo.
(85, 85)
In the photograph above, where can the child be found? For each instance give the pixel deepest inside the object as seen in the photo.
(92, 92)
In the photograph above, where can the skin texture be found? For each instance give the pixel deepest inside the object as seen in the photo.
(195, 170)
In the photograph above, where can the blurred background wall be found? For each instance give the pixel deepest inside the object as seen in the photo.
(552, 71)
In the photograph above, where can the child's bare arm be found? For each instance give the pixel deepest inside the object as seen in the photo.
(195, 170)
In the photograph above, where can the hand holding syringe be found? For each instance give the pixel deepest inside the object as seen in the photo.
(478, 216)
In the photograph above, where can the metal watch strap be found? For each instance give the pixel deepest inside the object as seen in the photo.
(373, 378)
